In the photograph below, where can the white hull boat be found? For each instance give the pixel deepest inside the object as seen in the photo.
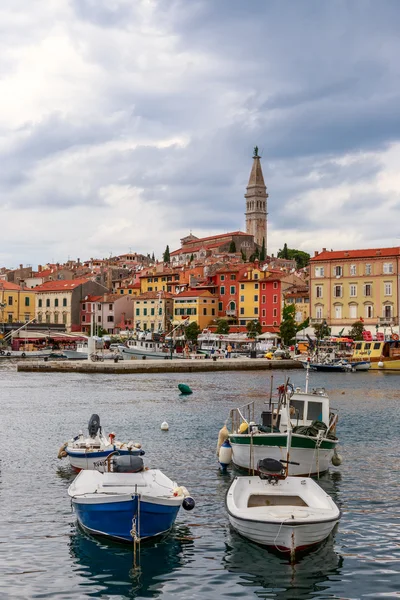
(290, 514)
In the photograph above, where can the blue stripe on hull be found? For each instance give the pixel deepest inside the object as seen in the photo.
(102, 454)
(114, 519)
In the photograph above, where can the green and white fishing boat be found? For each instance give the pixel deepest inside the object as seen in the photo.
(313, 423)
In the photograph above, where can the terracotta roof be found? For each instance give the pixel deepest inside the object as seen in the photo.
(367, 253)
(60, 285)
(200, 242)
(9, 285)
(153, 296)
(194, 293)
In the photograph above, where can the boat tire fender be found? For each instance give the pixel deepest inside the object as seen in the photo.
(9, 354)
(23, 355)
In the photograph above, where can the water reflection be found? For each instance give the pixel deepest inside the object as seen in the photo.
(109, 565)
(260, 568)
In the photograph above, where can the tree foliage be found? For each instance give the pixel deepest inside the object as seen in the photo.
(356, 331)
(321, 330)
(303, 325)
(232, 247)
(288, 327)
(166, 255)
(263, 252)
(222, 326)
(244, 258)
(302, 258)
(253, 328)
(192, 331)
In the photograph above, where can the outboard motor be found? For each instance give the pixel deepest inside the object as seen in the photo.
(128, 463)
(94, 426)
(271, 469)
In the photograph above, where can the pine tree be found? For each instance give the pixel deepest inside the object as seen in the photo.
(166, 255)
(244, 258)
(153, 258)
(232, 247)
(263, 253)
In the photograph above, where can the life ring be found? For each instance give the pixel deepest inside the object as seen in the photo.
(221, 337)
(23, 355)
(395, 336)
(2, 352)
(8, 354)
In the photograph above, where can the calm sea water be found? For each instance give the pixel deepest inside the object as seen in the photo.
(43, 554)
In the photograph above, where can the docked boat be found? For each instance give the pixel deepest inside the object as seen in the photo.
(382, 354)
(127, 506)
(314, 440)
(93, 451)
(287, 513)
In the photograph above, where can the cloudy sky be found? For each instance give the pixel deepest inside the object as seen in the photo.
(125, 124)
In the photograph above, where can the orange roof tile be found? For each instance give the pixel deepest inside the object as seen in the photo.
(9, 285)
(60, 285)
(194, 293)
(367, 253)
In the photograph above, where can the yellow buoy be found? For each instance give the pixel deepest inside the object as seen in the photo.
(243, 428)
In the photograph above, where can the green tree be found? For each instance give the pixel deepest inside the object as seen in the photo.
(244, 258)
(232, 247)
(356, 331)
(191, 257)
(253, 328)
(303, 325)
(302, 258)
(288, 328)
(321, 330)
(166, 255)
(263, 253)
(192, 331)
(222, 326)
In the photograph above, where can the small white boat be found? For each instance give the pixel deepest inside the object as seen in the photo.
(93, 451)
(286, 513)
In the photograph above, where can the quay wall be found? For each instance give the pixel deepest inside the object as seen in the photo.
(156, 366)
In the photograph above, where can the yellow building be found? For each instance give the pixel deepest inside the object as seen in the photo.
(349, 285)
(152, 311)
(156, 281)
(131, 289)
(300, 297)
(200, 306)
(17, 305)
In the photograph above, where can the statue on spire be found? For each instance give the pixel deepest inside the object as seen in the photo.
(255, 152)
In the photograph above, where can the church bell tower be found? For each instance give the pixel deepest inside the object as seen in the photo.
(256, 203)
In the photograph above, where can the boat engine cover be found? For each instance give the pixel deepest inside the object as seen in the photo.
(94, 425)
(127, 464)
(270, 466)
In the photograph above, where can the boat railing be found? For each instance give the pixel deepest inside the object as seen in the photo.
(243, 414)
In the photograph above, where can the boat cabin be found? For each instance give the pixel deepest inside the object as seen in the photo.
(306, 408)
(377, 350)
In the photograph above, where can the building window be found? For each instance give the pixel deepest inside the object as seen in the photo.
(220, 308)
(337, 291)
(256, 310)
(368, 289)
(110, 319)
(387, 311)
(353, 290)
(338, 271)
(241, 298)
(213, 311)
(387, 268)
(39, 304)
(56, 317)
(263, 286)
(275, 312)
(388, 289)
(83, 305)
(338, 312)
(275, 299)
(263, 312)
(27, 301)
(233, 277)
(160, 311)
(204, 311)
(83, 318)
(368, 269)
(56, 302)
(369, 311)
(47, 318)
(222, 277)
(353, 270)
(353, 311)
(10, 300)
(318, 291)
(64, 302)
(242, 311)
(48, 302)
(110, 307)
(318, 312)
(255, 297)
(99, 319)
(233, 289)
(275, 285)
(242, 286)
(40, 317)
(145, 312)
(256, 286)
(319, 271)
(222, 290)
(263, 299)
(98, 306)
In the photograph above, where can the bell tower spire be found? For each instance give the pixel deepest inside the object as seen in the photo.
(256, 202)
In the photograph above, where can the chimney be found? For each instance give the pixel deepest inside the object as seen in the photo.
(39, 268)
(21, 266)
(323, 249)
(316, 252)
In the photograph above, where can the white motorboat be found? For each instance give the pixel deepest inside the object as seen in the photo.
(93, 451)
(287, 513)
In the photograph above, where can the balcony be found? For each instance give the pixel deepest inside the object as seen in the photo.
(388, 321)
(317, 321)
(231, 313)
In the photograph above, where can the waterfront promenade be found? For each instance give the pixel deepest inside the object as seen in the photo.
(156, 366)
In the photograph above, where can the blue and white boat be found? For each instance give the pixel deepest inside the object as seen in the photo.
(93, 451)
(127, 506)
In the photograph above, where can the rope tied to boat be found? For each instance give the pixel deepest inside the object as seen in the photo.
(135, 533)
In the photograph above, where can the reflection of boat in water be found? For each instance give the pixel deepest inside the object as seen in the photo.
(108, 566)
(260, 568)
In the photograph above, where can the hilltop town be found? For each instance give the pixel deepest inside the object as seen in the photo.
(229, 277)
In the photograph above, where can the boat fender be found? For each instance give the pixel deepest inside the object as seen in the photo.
(336, 459)
(137, 445)
(188, 503)
(222, 436)
(243, 427)
(23, 355)
(9, 354)
(395, 336)
(225, 455)
(164, 426)
(61, 453)
(380, 365)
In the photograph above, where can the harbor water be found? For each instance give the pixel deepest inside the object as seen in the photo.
(43, 554)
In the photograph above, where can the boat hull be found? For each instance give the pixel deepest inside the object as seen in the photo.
(132, 353)
(90, 460)
(283, 537)
(114, 518)
(248, 450)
